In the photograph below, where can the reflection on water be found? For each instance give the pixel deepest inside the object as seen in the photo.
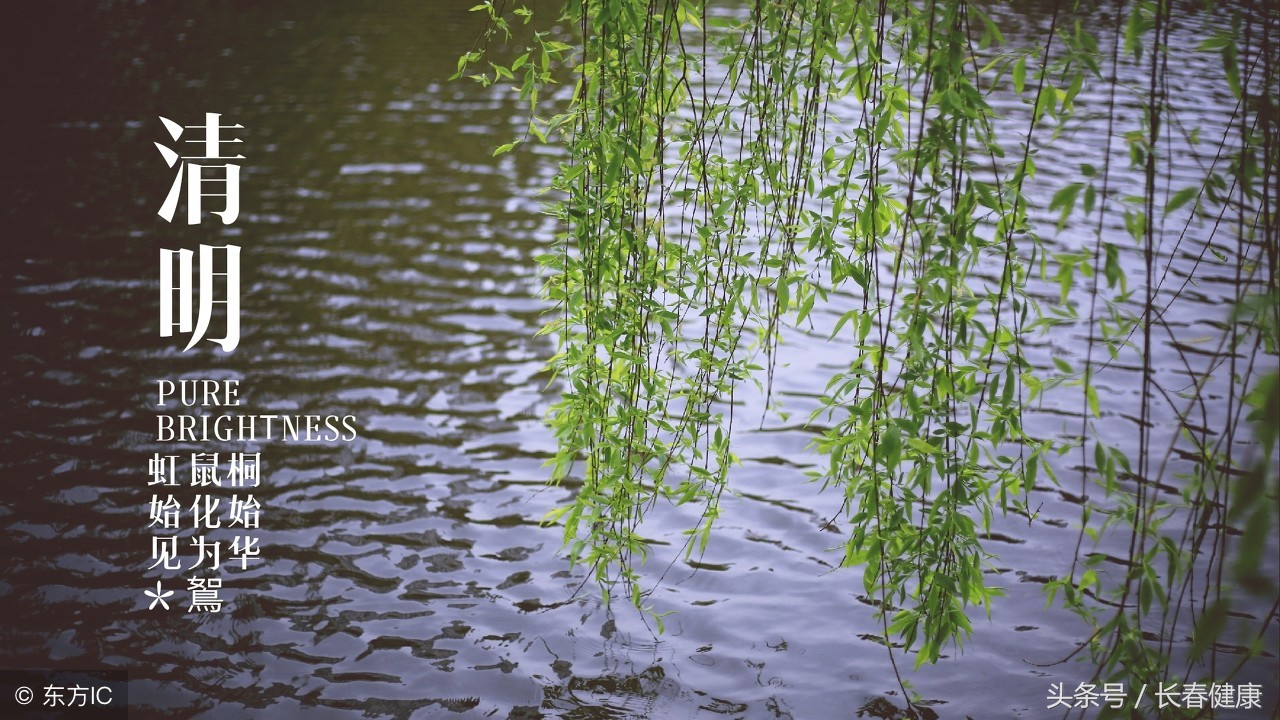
(389, 275)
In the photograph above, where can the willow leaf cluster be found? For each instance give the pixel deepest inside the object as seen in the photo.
(731, 171)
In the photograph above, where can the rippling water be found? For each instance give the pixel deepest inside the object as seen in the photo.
(389, 275)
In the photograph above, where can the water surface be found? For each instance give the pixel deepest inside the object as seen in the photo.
(389, 274)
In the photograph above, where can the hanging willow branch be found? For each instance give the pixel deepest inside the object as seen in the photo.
(730, 170)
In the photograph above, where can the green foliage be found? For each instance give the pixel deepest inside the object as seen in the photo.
(732, 172)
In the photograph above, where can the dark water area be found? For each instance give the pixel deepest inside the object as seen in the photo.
(389, 274)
